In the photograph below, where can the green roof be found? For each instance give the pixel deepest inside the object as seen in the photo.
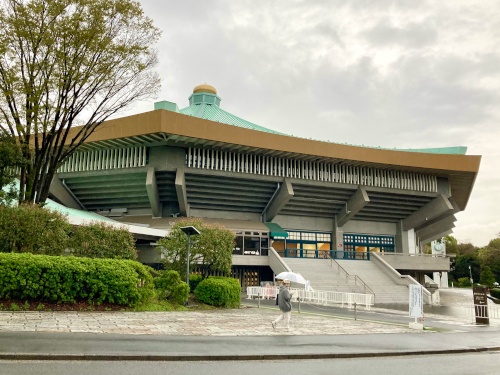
(204, 103)
(54, 206)
(275, 230)
(215, 113)
(458, 150)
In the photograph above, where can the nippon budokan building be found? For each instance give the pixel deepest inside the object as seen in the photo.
(288, 199)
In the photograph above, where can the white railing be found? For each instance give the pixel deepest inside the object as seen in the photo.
(317, 297)
(221, 160)
(480, 311)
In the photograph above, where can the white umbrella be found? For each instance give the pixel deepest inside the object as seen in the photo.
(292, 276)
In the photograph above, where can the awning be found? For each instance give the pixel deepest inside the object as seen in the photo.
(276, 231)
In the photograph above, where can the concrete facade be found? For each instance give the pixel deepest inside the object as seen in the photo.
(165, 164)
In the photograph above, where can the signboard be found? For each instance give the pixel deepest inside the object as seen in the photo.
(481, 305)
(416, 301)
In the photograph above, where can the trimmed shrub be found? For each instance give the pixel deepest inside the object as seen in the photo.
(194, 280)
(59, 279)
(495, 292)
(219, 291)
(463, 282)
(171, 287)
(101, 240)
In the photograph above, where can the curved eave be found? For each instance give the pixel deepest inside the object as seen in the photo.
(166, 127)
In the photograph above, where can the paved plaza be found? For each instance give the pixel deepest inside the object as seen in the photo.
(249, 320)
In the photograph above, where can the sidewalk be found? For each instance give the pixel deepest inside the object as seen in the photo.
(235, 322)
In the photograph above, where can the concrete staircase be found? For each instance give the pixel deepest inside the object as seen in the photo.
(324, 275)
(385, 289)
(321, 274)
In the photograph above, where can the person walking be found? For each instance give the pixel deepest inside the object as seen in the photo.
(285, 305)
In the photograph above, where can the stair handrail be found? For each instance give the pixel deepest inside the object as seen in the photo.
(276, 263)
(399, 278)
(356, 278)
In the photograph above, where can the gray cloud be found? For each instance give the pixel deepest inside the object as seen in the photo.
(412, 35)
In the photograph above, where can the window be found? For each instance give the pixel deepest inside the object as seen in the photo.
(359, 246)
(251, 243)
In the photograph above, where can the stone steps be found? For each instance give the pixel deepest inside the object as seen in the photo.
(322, 275)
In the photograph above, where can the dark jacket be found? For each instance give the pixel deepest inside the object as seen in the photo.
(284, 298)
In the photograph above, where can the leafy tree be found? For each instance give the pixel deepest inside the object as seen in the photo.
(10, 159)
(487, 277)
(101, 240)
(462, 263)
(66, 63)
(466, 249)
(451, 244)
(211, 250)
(490, 256)
(33, 229)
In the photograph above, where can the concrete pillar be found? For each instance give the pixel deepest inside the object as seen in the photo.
(437, 227)
(180, 189)
(412, 246)
(358, 200)
(337, 239)
(435, 208)
(63, 194)
(152, 190)
(278, 201)
(402, 241)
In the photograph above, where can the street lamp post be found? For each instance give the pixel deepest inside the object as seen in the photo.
(470, 273)
(190, 231)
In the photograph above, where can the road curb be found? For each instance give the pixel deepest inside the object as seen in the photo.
(231, 357)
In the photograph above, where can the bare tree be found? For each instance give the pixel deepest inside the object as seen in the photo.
(65, 67)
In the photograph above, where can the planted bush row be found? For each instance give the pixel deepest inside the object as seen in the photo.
(495, 292)
(219, 291)
(60, 279)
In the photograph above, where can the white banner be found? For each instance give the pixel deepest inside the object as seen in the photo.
(416, 301)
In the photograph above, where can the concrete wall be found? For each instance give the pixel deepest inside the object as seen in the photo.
(234, 215)
(304, 223)
(165, 158)
(443, 186)
(417, 262)
(369, 227)
(246, 260)
(148, 254)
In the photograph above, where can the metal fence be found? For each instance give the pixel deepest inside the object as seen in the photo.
(317, 297)
(482, 311)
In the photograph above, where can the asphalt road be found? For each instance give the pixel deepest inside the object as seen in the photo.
(450, 364)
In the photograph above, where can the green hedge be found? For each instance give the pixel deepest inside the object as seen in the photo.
(33, 229)
(495, 292)
(194, 280)
(60, 279)
(219, 291)
(101, 240)
(170, 286)
(464, 282)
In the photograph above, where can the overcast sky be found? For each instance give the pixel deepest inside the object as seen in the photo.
(403, 74)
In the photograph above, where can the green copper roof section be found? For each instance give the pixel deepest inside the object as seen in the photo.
(66, 211)
(54, 206)
(215, 113)
(205, 103)
(458, 150)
